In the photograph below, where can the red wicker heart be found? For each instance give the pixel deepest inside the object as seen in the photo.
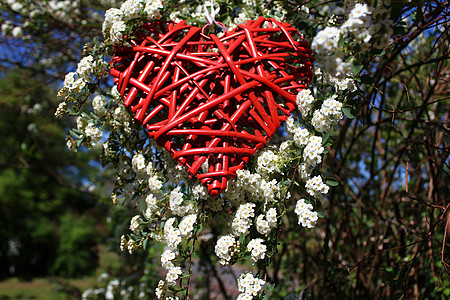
(213, 99)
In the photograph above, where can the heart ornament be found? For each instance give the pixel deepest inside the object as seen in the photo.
(209, 99)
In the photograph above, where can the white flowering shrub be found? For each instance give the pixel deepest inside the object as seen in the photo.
(385, 61)
(283, 181)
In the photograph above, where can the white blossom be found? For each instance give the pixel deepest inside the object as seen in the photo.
(313, 151)
(249, 285)
(94, 133)
(85, 67)
(242, 219)
(267, 162)
(257, 249)
(225, 248)
(99, 105)
(116, 32)
(173, 275)
(187, 225)
(155, 184)
(167, 257)
(315, 187)
(151, 202)
(138, 163)
(131, 9)
(135, 223)
(160, 289)
(69, 80)
(306, 217)
(304, 101)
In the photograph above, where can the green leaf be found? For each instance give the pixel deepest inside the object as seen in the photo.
(357, 68)
(332, 181)
(341, 42)
(347, 111)
(325, 137)
(367, 79)
(321, 214)
(75, 134)
(377, 52)
(80, 141)
(144, 245)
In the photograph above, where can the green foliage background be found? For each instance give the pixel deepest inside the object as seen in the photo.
(41, 186)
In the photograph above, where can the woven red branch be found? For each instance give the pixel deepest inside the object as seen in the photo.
(211, 99)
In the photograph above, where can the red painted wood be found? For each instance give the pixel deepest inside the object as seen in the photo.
(213, 99)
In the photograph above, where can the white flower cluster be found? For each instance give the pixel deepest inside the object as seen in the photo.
(240, 19)
(176, 203)
(85, 67)
(301, 136)
(90, 130)
(257, 188)
(152, 8)
(306, 217)
(315, 187)
(362, 24)
(313, 149)
(358, 24)
(242, 219)
(115, 24)
(257, 249)
(121, 118)
(8, 28)
(129, 245)
(200, 191)
(172, 235)
(328, 115)
(131, 9)
(155, 184)
(328, 55)
(187, 225)
(267, 162)
(265, 223)
(304, 101)
(152, 207)
(135, 223)
(61, 109)
(167, 257)
(75, 82)
(249, 286)
(72, 84)
(312, 154)
(99, 105)
(225, 248)
(172, 275)
(94, 133)
(138, 163)
(160, 289)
